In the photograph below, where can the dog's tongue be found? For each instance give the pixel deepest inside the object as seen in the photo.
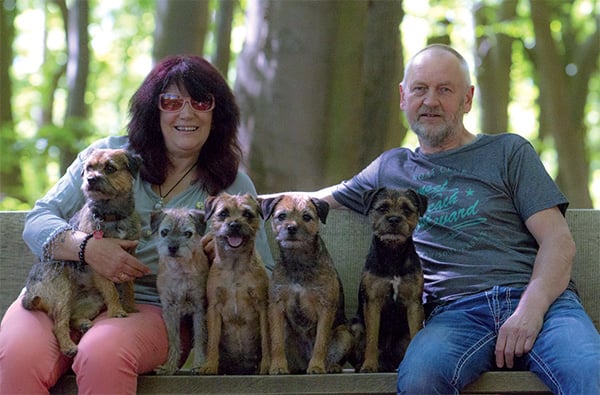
(234, 241)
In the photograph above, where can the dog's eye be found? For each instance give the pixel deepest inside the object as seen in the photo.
(248, 214)
(164, 232)
(188, 234)
(110, 169)
(281, 216)
(307, 218)
(382, 209)
(223, 214)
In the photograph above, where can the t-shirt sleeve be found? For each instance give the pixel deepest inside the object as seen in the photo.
(350, 192)
(532, 187)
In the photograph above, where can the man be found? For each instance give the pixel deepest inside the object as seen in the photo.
(495, 246)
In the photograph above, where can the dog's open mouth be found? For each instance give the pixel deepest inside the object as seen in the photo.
(235, 241)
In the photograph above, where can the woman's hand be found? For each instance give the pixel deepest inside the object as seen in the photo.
(112, 259)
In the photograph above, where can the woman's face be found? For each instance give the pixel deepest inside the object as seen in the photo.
(185, 131)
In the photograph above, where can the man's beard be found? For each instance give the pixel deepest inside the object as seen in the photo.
(437, 135)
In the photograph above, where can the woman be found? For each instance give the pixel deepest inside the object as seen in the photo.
(184, 122)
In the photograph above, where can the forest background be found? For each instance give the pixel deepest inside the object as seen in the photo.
(316, 81)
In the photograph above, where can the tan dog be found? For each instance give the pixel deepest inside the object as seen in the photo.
(181, 280)
(306, 301)
(237, 290)
(390, 305)
(73, 294)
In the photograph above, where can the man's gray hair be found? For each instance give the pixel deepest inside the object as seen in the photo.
(463, 63)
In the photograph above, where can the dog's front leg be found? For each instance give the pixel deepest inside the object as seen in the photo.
(111, 296)
(415, 316)
(199, 340)
(372, 313)
(279, 364)
(316, 365)
(171, 316)
(264, 336)
(214, 325)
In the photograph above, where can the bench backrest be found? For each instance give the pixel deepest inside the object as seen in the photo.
(347, 236)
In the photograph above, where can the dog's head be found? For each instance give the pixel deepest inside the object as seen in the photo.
(108, 173)
(234, 220)
(295, 218)
(393, 213)
(178, 231)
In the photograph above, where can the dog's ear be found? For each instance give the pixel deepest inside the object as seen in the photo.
(268, 205)
(134, 162)
(258, 206)
(419, 200)
(155, 219)
(209, 207)
(199, 221)
(322, 208)
(369, 197)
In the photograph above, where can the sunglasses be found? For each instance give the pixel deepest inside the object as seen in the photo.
(170, 102)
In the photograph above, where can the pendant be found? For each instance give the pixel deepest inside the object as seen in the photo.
(159, 205)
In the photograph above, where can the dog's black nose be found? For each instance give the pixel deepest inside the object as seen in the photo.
(394, 220)
(173, 249)
(92, 180)
(234, 225)
(292, 229)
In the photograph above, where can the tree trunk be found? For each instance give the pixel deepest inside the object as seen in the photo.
(11, 181)
(382, 127)
(181, 27)
(283, 79)
(493, 57)
(224, 20)
(77, 74)
(557, 104)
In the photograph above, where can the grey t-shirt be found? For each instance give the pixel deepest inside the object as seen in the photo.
(473, 235)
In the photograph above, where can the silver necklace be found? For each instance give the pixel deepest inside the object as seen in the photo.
(159, 205)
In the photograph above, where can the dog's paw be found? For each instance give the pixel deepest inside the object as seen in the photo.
(118, 313)
(70, 351)
(164, 370)
(207, 370)
(335, 368)
(130, 309)
(278, 370)
(315, 369)
(368, 368)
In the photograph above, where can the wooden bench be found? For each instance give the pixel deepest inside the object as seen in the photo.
(347, 236)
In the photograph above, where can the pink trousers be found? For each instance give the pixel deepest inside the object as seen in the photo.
(110, 355)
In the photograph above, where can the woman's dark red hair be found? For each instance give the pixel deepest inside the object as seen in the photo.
(220, 156)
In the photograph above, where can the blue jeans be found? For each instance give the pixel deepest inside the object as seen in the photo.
(457, 345)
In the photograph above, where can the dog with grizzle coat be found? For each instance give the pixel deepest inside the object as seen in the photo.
(181, 280)
(309, 332)
(390, 306)
(72, 293)
(237, 289)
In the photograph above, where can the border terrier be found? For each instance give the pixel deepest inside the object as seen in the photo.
(73, 294)
(181, 280)
(237, 289)
(390, 305)
(309, 331)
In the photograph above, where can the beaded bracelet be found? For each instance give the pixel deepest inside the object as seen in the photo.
(82, 249)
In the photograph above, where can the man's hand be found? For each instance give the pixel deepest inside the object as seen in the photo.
(517, 336)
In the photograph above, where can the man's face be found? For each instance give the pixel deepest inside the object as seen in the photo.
(434, 96)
